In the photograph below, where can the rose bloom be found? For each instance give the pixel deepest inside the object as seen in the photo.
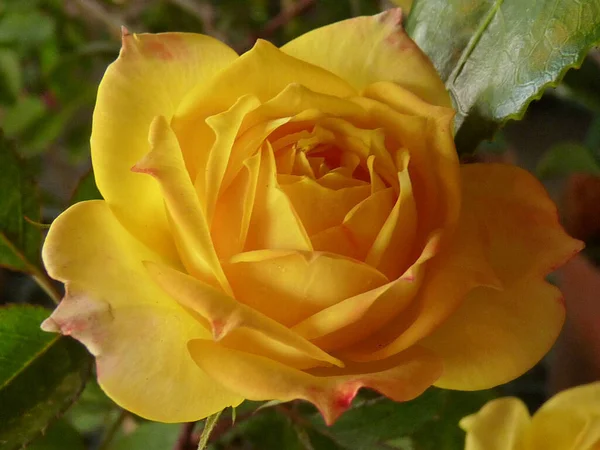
(568, 421)
(293, 223)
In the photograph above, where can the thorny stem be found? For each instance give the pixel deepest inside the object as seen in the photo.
(209, 424)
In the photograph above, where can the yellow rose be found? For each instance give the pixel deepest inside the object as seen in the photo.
(288, 224)
(568, 421)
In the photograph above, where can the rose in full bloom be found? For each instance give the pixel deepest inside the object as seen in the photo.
(293, 223)
(568, 421)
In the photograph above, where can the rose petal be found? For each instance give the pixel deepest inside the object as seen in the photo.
(492, 338)
(290, 286)
(458, 267)
(234, 209)
(433, 168)
(570, 419)
(364, 50)
(355, 318)
(137, 333)
(225, 127)
(264, 72)
(225, 315)
(502, 424)
(401, 378)
(151, 76)
(392, 247)
(355, 236)
(318, 207)
(192, 236)
(495, 336)
(274, 223)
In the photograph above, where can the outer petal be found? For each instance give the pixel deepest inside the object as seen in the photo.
(150, 78)
(365, 50)
(496, 336)
(569, 420)
(501, 424)
(137, 333)
(401, 378)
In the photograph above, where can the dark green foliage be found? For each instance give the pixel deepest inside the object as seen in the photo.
(41, 374)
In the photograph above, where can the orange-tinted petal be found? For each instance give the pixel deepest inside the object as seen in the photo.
(150, 78)
(393, 245)
(497, 335)
(137, 333)
(319, 207)
(351, 320)
(460, 266)
(364, 50)
(401, 378)
(355, 236)
(289, 286)
(274, 223)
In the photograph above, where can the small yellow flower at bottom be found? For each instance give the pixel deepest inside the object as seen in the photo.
(568, 421)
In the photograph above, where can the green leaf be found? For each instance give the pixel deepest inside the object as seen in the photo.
(375, 421)
(59, 436)
(20, 241)
(92, 410)
(86, 189)
(22, 115)
(268, 429)
(566, 158)
(11, 80)
(41, 374)
(496, 56)
(443, 432)
(26, 28)
(149, 436)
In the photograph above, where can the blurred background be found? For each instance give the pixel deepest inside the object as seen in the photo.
(53, 54)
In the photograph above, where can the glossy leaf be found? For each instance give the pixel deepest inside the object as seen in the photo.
(20, 240)
(41, 374)
(372, 422)
(496, 56)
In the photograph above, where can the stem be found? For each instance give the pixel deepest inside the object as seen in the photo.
(209, 424)
(46, 284)
(112, 431)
